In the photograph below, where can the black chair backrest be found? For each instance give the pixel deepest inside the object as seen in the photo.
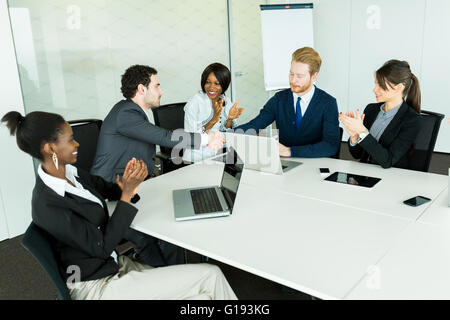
(38, 243)
(420, 157)
(338, 153)
(86, 133)
(171, 117)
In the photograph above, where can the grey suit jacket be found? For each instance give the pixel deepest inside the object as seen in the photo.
(127, 133)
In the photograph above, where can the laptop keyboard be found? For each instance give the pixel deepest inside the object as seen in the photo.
(205, 201)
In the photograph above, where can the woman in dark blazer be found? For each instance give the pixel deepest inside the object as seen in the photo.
(68, 203)
(386, 132)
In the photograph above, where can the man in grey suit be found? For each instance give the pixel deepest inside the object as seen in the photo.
(127, 132)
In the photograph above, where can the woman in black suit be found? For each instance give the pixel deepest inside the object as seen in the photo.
(68, 203)
(386, 132)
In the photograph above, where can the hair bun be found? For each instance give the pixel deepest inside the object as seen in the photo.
(13, 119)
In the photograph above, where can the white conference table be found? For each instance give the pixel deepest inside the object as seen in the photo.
(417, 266)
(386, 197)
(323, 247)
(438, 213)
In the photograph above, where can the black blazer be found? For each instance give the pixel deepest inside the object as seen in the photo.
(396, 142)
(84, 234)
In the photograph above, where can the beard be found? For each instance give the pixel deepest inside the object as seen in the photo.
(301, 89)
(155, 103)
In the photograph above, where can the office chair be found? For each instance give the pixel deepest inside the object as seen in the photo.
(420, 156)
(338, 153)
(170, 117)
(86, 133)
(38, 243)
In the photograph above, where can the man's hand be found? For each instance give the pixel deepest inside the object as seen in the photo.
(285, 152)
(216, 140)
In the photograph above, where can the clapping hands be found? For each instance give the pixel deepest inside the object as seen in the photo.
(135, 172)
(353, 124)
(216, 140)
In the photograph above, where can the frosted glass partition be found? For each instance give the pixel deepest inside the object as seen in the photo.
(248, 59)
(71, 54)
(16, 173)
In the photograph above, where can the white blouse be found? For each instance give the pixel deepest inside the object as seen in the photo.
(61, 186)
(197, 113)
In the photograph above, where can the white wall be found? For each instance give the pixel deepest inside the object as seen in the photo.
(395, 37)
(435, 78)
(16, 168)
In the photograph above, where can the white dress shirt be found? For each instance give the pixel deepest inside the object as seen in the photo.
(197, 113)
(61, 186)
(305, 101)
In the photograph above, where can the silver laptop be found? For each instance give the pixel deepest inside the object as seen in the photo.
(259, 153)
(214, 201)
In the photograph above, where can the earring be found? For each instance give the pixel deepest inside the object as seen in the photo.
(55, 160)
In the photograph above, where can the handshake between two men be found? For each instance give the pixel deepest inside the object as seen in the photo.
(212, 140)
(216, 140)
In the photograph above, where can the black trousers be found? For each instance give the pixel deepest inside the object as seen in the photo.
(153, 251)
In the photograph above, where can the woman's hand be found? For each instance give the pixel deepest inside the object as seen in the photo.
(135, 172)
(218, 107)
(235, 112)
(129, 167)
(354, 124)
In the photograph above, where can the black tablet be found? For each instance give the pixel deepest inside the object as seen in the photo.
(353, 179)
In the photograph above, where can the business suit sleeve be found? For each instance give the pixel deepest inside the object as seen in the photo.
(131, 123)
(387, 157)
(266, 116)
(73, 230)
(329, 144)
(356, 150)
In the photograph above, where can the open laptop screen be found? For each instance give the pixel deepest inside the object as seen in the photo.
(231, 175)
